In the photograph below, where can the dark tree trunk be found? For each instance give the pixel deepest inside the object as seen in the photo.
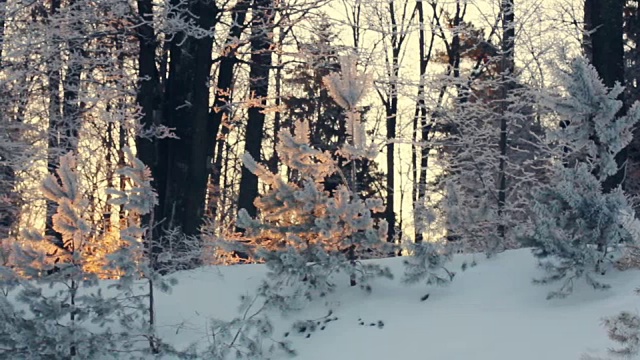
(186, 109)
(277, 116)
(507, 66)
(391, 112)
(8, 198)
(420, 121)
(605, 48)
(71, 107)
(55, 126)
(632, 93)
(261, 52)
(3, 15)
(221, 111)
(149, 98)
(180, 167)
(390, 214)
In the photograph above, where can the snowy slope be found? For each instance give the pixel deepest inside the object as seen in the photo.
(490, 312)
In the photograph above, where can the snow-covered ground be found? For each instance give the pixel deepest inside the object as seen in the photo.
(491, 311)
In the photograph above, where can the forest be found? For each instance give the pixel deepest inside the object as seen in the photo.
(143, 139)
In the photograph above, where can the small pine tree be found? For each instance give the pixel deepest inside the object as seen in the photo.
(578, 228)
(624, 329)
(305, 234)
(427, 263)
(311, 101)
(74, 317)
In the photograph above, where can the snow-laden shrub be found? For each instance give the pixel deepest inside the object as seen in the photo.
(623, 329)
(54, 308)
(426, 263)
(304, 234)
(578, 225)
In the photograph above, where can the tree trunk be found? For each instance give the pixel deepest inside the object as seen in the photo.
(632, 93)
(391, 112)
(221, 111)
(180, 167)
(56, 140)
(3, 18)
(8, 198)
(261, 51)
(277, 116)
(186, 109)
(420, 120)
(507, 67)
(605, 49)
(149, 98)
(71, 107)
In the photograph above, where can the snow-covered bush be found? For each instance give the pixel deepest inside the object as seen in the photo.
(427, 263)
(60, 309)
(247, 336)
(578, 227)
(624, 329)
(305, 234)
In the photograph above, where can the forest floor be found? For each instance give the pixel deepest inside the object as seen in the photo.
(491, 311)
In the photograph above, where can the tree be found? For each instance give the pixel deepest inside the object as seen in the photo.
(263, 13)
(175, 94)
(306, 234)
(73, 317)
(421, 124)
(393, 22)
(604, 47)
(310, 100)
(579, 225)
(221, 115)
(632, 87)
(486, 134)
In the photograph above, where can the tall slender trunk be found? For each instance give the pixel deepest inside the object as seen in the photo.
(261, 26)
(507, 67)
(149, 98)
(391, 112)
(3, 18)
(123, 136)
(277, 116)
(420, 121)
(221, 105)
(632, 93)
(8, 179)
(71, 107)
(56, 124)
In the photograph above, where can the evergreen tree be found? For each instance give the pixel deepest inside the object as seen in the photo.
(427, 263)
(310, 100)
(304, 233)
(578, 227)
(74, 317)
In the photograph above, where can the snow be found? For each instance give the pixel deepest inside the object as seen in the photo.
(491, 311)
